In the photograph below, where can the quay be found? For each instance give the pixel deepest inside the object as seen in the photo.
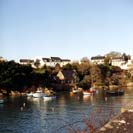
(123, 123)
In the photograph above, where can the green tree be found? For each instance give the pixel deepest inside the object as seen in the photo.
(95, 74)
(113, 54)
(67, 67)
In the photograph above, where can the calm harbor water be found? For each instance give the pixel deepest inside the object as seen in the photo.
(66, 113)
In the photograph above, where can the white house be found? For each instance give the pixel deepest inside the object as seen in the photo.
(26, 61)
(98, 59)
(128, 65)
(117, 61)
(40, 62)
(2, 59)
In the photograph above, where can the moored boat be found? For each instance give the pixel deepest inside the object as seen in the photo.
(1, 98)
(115, 92)
(89, 92)
(86, 93)
(29, 94)
(1, 101)
(38, 93)
(76, 90)
(47, 98)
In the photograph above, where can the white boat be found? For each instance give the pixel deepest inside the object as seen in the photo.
(38, 94)
(1, 101)
(1, 98)
(47, 98)
(76, 90)
(91, 91)
(29, 94)
(86, 93)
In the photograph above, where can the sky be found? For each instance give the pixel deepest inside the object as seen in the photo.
(65, 28)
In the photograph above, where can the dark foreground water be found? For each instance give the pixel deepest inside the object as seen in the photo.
(67, 113)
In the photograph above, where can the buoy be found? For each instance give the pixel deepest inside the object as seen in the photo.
(21, 108)
(53, 109)
(106, 99)
(24, 104)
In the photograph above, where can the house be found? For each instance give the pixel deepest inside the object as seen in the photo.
(2, 59)
(128, 64)
(98, 59)
(46, 59)
(39, 62)
(67, 76)
(52, 61)
(117, 61)
(26, 61)
(65, 62)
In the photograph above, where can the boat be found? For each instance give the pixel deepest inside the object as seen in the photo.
(38, 93)
(47, 98)
(86, 93)
(91, 91)
(76, 90)
(1, 101)
(49, 94)
(29, 94)
(115, 92)
(1, 98)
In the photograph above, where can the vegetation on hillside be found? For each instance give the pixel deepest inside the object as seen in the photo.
(14, 76)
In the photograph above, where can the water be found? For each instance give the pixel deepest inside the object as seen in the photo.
(67, 113)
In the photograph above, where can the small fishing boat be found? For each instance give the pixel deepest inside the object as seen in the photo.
(29, 94)
(86, 93)
(115, 92)
(1, 101)
(49, 94)
(76, 90)
(1, 98)
(38, 93)
(91, 91)
(47, 98)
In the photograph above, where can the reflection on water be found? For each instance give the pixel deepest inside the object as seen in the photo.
(26, 114)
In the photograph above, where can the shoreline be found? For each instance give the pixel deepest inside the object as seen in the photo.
(121, 123)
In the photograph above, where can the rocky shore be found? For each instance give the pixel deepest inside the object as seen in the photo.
(122, 123)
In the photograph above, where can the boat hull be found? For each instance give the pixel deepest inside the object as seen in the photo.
(115, 93)
(47, 98)
(86, 93)
(89, 92)
(29, 94)
(38, 95)
(76, 90)
(1, 101)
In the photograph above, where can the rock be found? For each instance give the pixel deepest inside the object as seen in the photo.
(103, 129)
(130, 110)
(108, 126)
(122, 121)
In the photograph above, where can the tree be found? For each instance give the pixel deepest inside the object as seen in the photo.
(57, 68)
(113, 54)
(85, 59)
(14, 76)
(67, 67)
(75, 65)
(95, 74)
(125, 57)
(107, 61)
(86, 82)
(37, 63)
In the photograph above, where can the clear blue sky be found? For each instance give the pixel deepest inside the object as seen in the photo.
(66, 28)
